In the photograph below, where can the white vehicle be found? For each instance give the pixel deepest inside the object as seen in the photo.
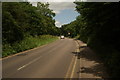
(62, 37)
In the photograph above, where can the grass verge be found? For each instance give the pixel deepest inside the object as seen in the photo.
(27, 43)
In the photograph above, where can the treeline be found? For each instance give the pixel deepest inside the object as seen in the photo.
(99, 26)
(69, 30)
(22, 23)
(21, 19)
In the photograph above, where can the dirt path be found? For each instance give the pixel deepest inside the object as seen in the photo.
(90, 65)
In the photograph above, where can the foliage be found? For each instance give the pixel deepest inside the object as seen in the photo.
(99, 27)
(23, 19)
(69, 30)
(27, 43)
(22, 25)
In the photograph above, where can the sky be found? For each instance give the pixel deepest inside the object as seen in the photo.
(64, 10)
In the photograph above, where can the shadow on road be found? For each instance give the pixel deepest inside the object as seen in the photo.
(22, 54)
(88, 54)
(90, 63)
(84, 46)
(96, 67)
(75, 53)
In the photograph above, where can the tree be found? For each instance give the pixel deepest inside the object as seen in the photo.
(99, 28)
(23, 19)
(69, 30)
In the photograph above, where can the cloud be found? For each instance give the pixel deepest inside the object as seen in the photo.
(51, 0)
(58, 24)
(34, 3)
(57, 7)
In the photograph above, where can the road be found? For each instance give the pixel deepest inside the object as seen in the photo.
(55, 60)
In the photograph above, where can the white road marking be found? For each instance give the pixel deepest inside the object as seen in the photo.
(28, 63)
(25, 51)
(67, 74)
(73, 69)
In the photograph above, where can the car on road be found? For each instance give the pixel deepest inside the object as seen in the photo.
(62, 37)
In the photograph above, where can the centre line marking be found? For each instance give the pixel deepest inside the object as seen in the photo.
(28, 63)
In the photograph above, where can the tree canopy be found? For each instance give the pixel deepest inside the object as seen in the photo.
(98, 25)
(21, 19)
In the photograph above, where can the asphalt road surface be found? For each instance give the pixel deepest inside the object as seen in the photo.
(55, 60)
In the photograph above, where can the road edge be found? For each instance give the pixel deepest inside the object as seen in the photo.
(28, 50)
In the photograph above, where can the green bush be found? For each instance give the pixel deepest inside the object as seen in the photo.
(27, 43)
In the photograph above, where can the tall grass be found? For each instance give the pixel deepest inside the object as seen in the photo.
(28, 43)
